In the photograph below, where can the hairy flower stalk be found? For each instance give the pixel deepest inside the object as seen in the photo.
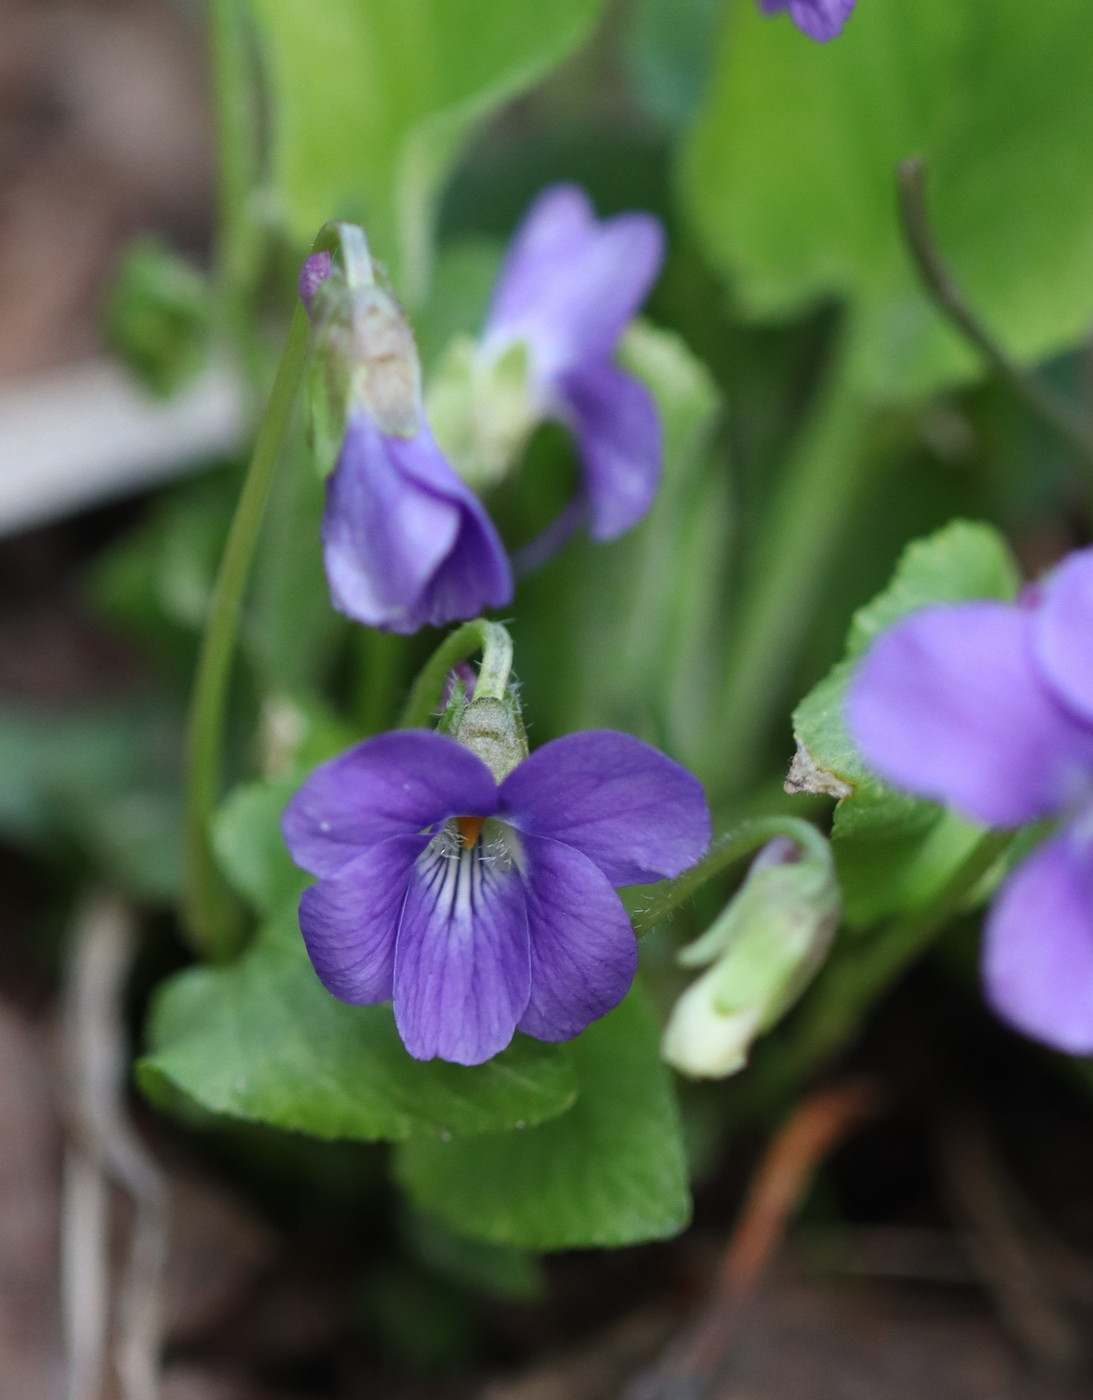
(988, 706)
(405, 541)
(819, 19)
(569, 286)
(479, 896)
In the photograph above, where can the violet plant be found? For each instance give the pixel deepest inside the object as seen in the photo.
(410, 928)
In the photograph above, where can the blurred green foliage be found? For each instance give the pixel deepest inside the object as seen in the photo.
(789, 175)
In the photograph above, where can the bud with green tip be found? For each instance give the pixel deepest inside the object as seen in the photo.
(760, 954)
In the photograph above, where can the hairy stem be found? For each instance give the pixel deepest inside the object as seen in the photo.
(724, 851)
(495, 644)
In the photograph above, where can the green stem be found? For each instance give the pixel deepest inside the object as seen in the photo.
(495, 644)
(1070, 425)
(853, 981)
(208, 910)
(726, 849)
(238, 239)
(801, 529)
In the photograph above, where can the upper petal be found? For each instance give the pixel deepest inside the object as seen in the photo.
(583, 950)
(618, 432)
(349, 921)
(1038, 947)
(950, 705)
(1064, 631)
(394, 785)
(634, 812)
(571, 282)
(462, 967)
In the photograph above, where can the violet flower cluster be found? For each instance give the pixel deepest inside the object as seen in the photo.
(819, 19)
(988, 706)
(481, 907)
(406, 542)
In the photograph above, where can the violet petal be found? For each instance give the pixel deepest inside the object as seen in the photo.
(405, 542)
(393, 785)
(819, 19)
(1064, 631)
(618, 432)
(571, 282)
(635, 813)
(350, 921)
(462, 965)
(950, 705)
(583, 950)
(1038, 948)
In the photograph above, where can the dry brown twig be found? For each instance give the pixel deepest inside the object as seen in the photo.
(104, 1150)
(695, 1360)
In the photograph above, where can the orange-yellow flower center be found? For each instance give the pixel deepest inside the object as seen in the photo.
(470, 829)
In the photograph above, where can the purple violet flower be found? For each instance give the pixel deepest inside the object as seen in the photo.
(819, 19)
(406, 543)
(988, 706)
(486, 908)
(568, 287)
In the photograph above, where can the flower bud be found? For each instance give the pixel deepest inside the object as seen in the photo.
(760, 954)
(364, 357)
(494, 730)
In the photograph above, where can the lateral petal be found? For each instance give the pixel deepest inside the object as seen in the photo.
(1038, 946)
(583, 950)
(350, 921)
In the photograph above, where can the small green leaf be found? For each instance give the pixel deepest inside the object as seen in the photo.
(893, 851)
(262, 1040)
(610, 1171)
